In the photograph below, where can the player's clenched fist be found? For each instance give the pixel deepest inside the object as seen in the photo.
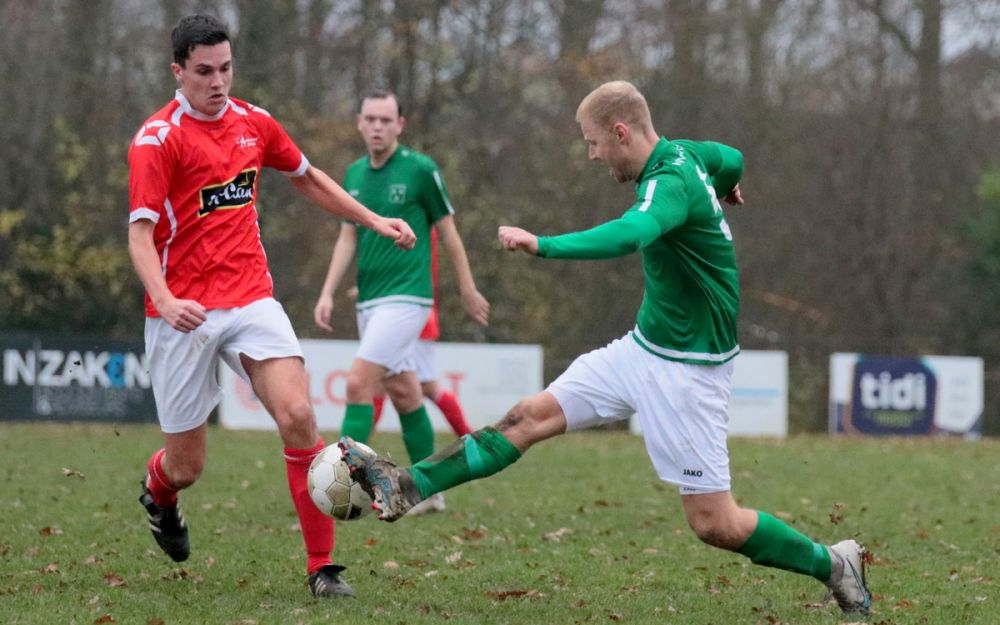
(183, 315)
(513, 239)
(398, 230)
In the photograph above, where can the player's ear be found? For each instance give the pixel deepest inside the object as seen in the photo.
(176, 70)
(402, 123)
(621, 132)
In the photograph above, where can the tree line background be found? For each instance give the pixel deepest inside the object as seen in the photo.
(869, 128)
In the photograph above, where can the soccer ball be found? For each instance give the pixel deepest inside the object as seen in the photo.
(332, 489)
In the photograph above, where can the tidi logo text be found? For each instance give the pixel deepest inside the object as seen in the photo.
(883, 392)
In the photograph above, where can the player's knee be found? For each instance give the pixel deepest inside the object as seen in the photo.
(714, 529)
(186, 473)
(357, 387)
(298, 416)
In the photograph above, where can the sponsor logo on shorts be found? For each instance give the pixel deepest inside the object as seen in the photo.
(235, 193)
(693, 472)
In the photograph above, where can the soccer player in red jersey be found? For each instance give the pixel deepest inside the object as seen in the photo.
(194, 169)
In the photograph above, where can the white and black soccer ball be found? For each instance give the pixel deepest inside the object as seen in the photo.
(332, 489)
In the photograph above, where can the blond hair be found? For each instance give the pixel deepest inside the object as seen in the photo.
(613, 102)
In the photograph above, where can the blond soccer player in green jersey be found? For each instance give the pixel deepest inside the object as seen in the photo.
(673, 369)
(395, 290)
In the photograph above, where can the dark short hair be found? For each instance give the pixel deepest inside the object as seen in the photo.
(196, 30)
(381, 94)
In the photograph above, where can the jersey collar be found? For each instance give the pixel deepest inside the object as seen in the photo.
(185, 108)
(663, 150)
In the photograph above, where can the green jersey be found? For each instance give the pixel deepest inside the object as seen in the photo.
(408, 186)
(691, 299)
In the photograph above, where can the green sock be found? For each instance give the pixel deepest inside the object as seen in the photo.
(418, 435)
(476, 455)
(777, 545)
(358, 422)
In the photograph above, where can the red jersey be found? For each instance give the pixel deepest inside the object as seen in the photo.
(432, 331)
(196, 178)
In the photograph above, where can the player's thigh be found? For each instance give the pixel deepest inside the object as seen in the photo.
(182, 371)
(596, 388)
(260, 346)
(281, 385)
(260, 331)
(683, 412)
(389, 333)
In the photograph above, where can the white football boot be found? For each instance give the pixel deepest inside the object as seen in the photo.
(847, 578)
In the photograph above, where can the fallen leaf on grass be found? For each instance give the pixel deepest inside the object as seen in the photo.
(453, 558)
(390, 564)
(155, 620)
(579, 603)
(503, 595)
(72, 473)
(557, 535)
(107, 618)
(114, 581)
(614, 616)
(51, 568)
(50, 531)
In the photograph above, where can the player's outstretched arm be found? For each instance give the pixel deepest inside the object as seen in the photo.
(514, 239)
(475, 304)
(183, 315)
(343, 252)
(330, 196)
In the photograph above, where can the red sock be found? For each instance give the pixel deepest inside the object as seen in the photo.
(378, 403)
(452, 411)
(317, 528)
(164, 493)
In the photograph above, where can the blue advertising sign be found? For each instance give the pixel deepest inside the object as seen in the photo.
(68, 378)
(892, 396)
(886, 396)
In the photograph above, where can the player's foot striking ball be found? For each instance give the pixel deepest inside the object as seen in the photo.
(168, 526)
(392, 490)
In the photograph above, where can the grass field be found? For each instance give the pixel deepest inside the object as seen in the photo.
(579, 531)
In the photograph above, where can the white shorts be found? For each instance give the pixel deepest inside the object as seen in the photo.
(389, 333)
(182, 367)
(426, 363)
(682, 408)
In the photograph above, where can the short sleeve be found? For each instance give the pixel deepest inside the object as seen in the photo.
(280, 153)
(436, 201)
(663, 198)
(150, 171)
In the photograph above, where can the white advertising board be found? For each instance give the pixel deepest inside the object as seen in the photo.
(758, 405)
(487, 379)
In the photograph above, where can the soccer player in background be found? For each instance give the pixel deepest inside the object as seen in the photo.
(427, 374)
(673, 369)
(395, 290)
(194, 240)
